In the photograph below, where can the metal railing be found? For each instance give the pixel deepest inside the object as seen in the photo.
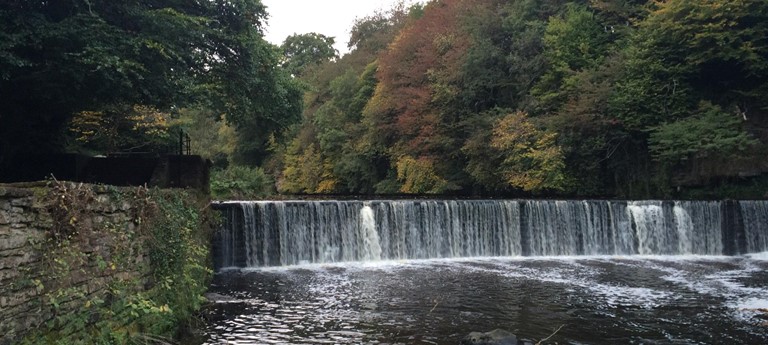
(185, 146)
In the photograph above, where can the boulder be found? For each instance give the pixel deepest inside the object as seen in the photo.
(494, 337)
(219, 298)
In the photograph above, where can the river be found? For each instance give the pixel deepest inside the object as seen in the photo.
(313, 274)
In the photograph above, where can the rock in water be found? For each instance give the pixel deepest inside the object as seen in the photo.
(218, 298)
(494, 337)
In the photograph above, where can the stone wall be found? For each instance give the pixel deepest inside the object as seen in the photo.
(35, 266)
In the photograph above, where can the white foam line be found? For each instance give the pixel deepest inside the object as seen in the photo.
(425, 262)
(758, 256)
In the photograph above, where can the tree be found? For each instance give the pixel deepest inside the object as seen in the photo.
(124, 129)
(608, 92)
(418, 176)
(411, 109)
(373, 33)
(574, 43)
(515, 153)
(532, 159)
(333, 124)
(303, 51)
(214, 138)
(59, 58)
(712, 132)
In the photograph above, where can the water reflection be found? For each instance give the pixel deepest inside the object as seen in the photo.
(600, 300)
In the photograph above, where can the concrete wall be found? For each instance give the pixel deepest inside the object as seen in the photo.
(27, 251)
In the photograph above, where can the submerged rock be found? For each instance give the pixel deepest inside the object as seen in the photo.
(494, 337)
(213, 297)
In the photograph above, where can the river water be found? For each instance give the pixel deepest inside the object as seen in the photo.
(596, 300)
(432, 271)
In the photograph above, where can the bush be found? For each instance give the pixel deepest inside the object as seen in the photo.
(241, 182)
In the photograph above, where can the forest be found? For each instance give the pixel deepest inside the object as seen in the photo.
(599, 98)
(500, 98)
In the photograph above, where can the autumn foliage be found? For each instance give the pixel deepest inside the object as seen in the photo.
(588, 98)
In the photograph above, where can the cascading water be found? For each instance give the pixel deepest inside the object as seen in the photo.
(650, 227)
(755, 218)
(684, 226)
(372, 248)
(281, 233)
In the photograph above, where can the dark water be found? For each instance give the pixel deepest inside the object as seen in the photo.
(596, 300)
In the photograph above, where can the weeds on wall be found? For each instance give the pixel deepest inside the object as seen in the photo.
(122, 266)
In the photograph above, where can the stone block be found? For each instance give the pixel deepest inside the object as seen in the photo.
(13, 242)
(19, 219)
(8, 336)
(18, 298)
(8, 274)
(17, 261)
(22, 202)
(4, 218)
(102, 199)
(43, 222)
(12, 192)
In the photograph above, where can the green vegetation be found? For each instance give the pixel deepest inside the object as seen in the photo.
(616, 98)
(93, 275)
(240, 182)
(632, 99)
(102, 76)
(304, 51)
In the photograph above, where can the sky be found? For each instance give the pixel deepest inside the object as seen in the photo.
(328, 17)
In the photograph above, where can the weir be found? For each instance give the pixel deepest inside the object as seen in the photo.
(282, 233)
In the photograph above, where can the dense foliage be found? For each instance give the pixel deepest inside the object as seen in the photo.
(303, 51)
(70, 67)
(241, 183)
(625, 98)
(628, 98)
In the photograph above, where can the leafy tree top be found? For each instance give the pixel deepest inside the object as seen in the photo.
(302, 51)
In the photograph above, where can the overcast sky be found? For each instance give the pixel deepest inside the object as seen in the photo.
(328, 17)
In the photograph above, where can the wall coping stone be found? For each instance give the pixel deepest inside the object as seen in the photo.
(14, 192)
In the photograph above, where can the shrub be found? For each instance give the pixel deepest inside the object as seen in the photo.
(241, 182)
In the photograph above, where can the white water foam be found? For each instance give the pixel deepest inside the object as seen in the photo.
(371, 244)
(684, 230)
(763, 256)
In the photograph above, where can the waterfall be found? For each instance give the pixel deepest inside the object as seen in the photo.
(372, 248)
(272, 233)
(684, 230)
(649, 221)
(755, 218)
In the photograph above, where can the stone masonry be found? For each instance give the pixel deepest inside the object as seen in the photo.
(25, 224)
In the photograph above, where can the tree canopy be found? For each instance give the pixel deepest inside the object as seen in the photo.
(609, 98)
(302, 51)
(61, 58)
(624, 98)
